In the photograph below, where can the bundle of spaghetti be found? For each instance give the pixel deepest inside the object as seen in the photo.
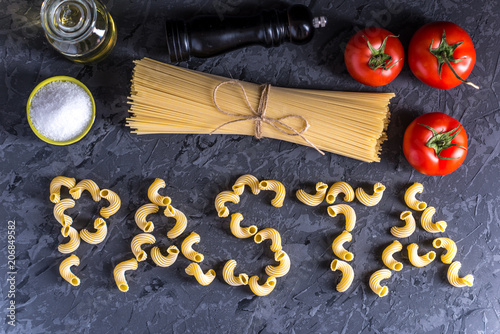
(170, 99)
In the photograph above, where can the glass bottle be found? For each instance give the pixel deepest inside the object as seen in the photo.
(82, 30)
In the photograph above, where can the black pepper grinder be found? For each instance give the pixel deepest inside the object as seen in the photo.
(207, 36)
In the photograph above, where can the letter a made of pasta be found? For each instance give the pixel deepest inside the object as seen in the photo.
(56, 184)
(371, 200)
(74, 240)
(347, 211)
(283, 268)
(154, 196)
(180, 221)
(278, 188)
(65, 269)
(138, 241)
(114, 203)
(222, 198)
(428, 225)
(449, 245)
(164, 261)
(375, 279)
(410, 199)
(59, 209)
(457, 281)
(406, 230)
(269, 233)
(340, 188)
(264, 289)
(246, 180)
(241, 232)
(315, 199)
(97, 237)
(347, 274)
(230, 278)
(387, 256)
(187, 247)
(419, 261)
(88, 185)
(141, 217)
(194, 269)
(119, 273)
(338, 246)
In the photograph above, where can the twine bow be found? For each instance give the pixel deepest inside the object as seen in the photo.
(259, 115)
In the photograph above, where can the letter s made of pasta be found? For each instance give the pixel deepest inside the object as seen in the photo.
(65, 269)
(194, 269)
(387, 256)
(74, 240)
(59, 209)
(180, 222)
(154, 196)
(187, 247)
(338, 246)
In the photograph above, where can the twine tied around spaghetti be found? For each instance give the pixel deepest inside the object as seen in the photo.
(259, 115)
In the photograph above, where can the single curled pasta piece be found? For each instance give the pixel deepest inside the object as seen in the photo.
(141, 217)
(338, 246)
(347, 211)
(387, 257)
(138, 241)
(237, 230)
(457, 281)
(194, 269)
(164, 261)
(180, 221)
(74, 240)
(59, 209)
(375, 279)
(428, 225)
(88, 185)
(97, 237)
(246, 180)
(187, 248)
(278, 188)
(410, 199)
(449, 245)
(222, 198)
(406, 230)
(338, 188)
(119, 273)
(56, 184)
(419, 261)
(154, 196)
(65, 269)
(347, 274)
(371, 200)
(283, 268)
(230, 278)
(315, 199)
(264, 289)
(114, 203)
(269, 233)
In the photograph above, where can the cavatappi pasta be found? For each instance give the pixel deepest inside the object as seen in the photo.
(457, 281)
(313, 199)
(180, 221)
(340, 188)
(56, 184)
(114, 203)
(119, 273)
(338, 246)
(164, 261)
(88, 185)
(428, 225)
(187, 248)
(246, 180)
(370, 200)
(269, 233)
(139, 240)
(65, 269)
(222, 198)
(387, 256)
(283, 268)
(97, 237)
(141, 217)
(449, 245)
(278, 188)
(347, 211)
(154, 196)
(419, 261)
(406, 230)
(74, 240)
(237, 230)
(347, 274)
(230, 278)
(264, 289)
(410, 199)
(194, 269)
(375, 279)
(59, 209)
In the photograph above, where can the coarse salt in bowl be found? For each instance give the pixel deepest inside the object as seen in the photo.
(60, 110)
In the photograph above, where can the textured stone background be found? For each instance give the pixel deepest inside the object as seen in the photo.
(196, 168)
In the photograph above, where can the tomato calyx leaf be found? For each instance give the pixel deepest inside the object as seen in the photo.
(380, 59)
(442, 140)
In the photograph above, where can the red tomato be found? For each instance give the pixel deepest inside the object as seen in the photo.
(435, 144)
(435, 48)
(374, 56)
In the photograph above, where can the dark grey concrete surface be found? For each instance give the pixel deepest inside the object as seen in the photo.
(197, 167)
